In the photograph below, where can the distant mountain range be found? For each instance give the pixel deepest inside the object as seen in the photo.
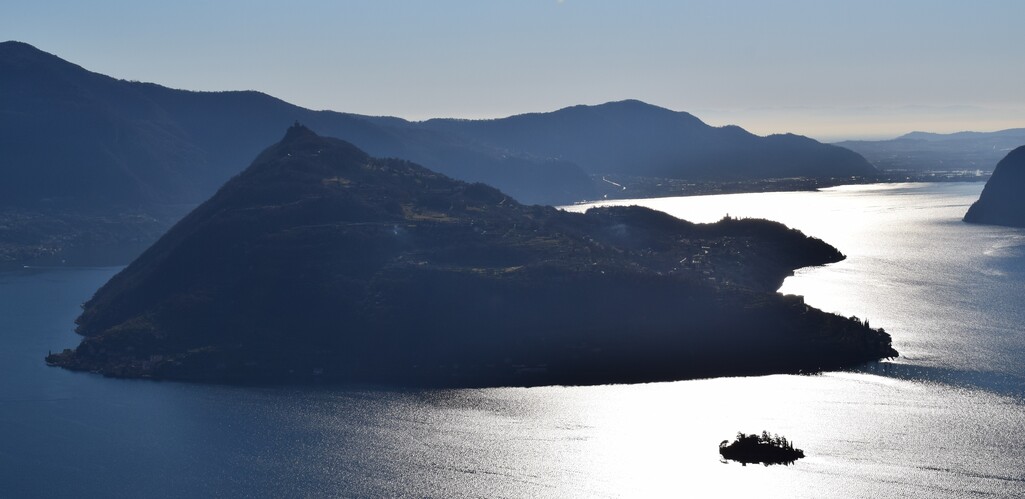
(74, 142)
(919, 151)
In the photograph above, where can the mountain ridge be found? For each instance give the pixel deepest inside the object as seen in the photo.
(81, 149)
(198, 139)
(636, 138)
(155, 144)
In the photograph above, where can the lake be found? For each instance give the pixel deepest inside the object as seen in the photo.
(946, 419)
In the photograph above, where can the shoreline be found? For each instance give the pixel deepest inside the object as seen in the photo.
(51, 254)
(653, 187)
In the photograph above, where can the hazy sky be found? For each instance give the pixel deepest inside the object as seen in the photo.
(828, 69)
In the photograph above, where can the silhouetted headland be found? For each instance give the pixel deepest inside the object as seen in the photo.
(766, 449)
(319, 262)
(1003, 199)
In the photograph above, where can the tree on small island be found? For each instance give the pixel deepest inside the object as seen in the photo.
(766, 449)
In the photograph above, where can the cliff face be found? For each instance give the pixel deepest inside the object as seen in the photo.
(321, 262)
(1003, 199)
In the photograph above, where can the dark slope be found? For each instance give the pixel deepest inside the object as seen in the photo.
(73, 137)
(227, 122)
(94, 168)
(934, 151)
(321, 262)
(77, 138)
(69, 136)
(1003, 199)
(635, 138)
(81, 153)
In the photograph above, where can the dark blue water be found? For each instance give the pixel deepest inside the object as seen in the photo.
(67, 434)
(949, 293)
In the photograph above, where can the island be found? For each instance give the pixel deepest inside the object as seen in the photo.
(766, 449)
(320, 263)
(1002, 202)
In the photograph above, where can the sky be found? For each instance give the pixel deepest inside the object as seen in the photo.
(828, 69)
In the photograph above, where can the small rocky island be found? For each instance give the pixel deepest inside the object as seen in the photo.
(766, 449)
(321, 263)
(1003, 199)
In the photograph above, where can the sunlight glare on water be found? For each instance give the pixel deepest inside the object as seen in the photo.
(913, 267)
(947, 419)
(865, 436)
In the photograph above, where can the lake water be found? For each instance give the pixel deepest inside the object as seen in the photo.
(947, 419)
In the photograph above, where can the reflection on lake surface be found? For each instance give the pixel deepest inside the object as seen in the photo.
(948, 292)
(946, 419)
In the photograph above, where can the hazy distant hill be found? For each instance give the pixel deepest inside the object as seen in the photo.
(635, 138)
(320, 262)
(73, 137)
(1002, 201)
(934, 151)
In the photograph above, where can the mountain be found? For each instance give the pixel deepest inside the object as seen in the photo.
(71, 137)
(94, 169)
(95, 166)
(922, 151)
(322, 262)
(635, 138)
(1002, 202)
